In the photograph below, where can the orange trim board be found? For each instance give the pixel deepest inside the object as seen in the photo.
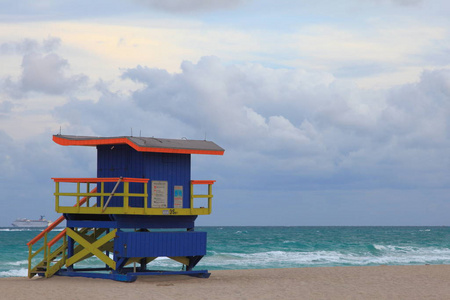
(123, 140)
(108, 179)
(203, 181)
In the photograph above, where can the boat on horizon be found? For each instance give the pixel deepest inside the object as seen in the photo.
(27, 223)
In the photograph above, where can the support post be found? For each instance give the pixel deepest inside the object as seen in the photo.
(70, 250)
(209, 198)
(126, 197)
(192, 198)
(102, 191)
(87, 191)
(145, 198)
(56, 195)
(78, 196)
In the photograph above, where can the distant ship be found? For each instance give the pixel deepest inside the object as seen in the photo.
(27, 223)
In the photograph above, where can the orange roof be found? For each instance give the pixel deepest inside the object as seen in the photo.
(144, 144)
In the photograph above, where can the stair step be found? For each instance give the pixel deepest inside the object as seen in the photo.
(37, 273)
(53, 260)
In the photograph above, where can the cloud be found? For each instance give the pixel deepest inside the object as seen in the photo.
(44, 74)
(43, 70)
(287, 131)
(400, 2)
(5, 108)
(290, 128)
(27, 46)
(27, 166)
(376, 50)
(296, 124)
(407, 2)
(181, 6)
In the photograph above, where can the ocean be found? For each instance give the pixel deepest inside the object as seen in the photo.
(231, 248)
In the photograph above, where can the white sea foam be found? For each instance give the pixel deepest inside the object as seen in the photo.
(394, 255)
(380, 247)
(21, 229)
(390, 254)
(16, 263)
(159, 262)
(271, 258)
(14, 273)
(407, 254)
(30, 229)
(241, 232)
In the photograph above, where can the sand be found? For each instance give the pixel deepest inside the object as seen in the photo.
(377, 282)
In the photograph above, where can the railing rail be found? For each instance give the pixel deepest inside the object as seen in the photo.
(140, 204)
(112, 194)
(209, 195)
(101, 208)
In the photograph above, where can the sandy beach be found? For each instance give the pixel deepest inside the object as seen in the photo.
(377, 282)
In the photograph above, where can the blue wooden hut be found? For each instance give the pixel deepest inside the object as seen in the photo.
(141, 206)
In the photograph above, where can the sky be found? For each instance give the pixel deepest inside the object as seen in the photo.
(330, 112)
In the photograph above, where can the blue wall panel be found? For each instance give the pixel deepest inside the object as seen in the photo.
(122, 160)
(155, 244)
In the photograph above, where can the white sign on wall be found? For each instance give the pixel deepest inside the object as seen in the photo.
(178, 196)
(159, 194)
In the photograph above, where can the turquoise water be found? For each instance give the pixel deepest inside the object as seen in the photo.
(281, 247)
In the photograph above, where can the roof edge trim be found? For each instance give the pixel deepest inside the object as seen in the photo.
(124, 140)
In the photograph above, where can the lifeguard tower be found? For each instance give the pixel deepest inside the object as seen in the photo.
(141, 206)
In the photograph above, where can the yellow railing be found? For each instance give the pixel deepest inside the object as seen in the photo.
(104, 197)
(101, 194)
(209, 196)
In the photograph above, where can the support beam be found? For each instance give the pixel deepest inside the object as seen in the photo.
(93, 248)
